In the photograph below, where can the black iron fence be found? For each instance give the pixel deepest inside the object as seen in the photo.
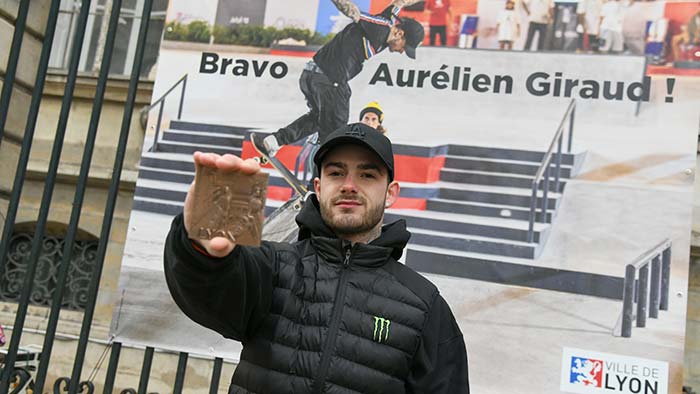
(25, 369)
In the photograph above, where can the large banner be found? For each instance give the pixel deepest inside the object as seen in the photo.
(548, 193)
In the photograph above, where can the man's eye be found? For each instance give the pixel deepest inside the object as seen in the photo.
(369, 175)
(335, 173)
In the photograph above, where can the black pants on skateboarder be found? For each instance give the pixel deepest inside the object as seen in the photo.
(329, 107)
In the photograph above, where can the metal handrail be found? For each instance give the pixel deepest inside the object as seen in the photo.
(161, 103)
(655, 288)
(544, 169)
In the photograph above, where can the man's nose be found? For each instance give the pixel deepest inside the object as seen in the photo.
(349, 185)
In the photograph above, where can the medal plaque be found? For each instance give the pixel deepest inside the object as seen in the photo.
(229, 205)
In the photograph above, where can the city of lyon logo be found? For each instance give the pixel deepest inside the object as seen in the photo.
(586, 372)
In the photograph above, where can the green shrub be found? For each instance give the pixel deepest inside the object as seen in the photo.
(175, 31)
(257, 36)
(198, 31)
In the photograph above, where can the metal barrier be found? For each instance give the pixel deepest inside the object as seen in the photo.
(24, 381)
(646, 283)
(11, 70)
(74, 383)
(543, 172)
(161, 103)
(146, 372)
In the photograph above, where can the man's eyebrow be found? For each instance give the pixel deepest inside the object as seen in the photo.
(335, 164)
(370, 166)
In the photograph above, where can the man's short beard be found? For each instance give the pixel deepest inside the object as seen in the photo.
(346, 226)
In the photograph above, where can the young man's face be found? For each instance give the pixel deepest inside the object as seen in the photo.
(370, 119)
(396, 40)
(353, 190)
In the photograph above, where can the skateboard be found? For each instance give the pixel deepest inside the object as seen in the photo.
(280, 225)
(263, 158)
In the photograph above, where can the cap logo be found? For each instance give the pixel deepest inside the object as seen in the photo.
(355, 131)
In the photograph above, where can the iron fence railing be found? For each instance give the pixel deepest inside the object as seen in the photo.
(23, 377)
(11, 69)
(72, 384)
(542, 177)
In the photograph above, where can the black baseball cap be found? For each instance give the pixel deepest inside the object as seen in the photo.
(414, 34)
(359, 134)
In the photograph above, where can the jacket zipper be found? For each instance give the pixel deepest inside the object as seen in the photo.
(335, 323)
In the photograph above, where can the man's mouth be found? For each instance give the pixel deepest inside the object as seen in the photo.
(345, 203)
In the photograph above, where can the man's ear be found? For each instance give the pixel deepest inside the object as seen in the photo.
(392, 194)
(317, 186)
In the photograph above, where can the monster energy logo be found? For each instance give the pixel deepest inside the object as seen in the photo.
(381, 329)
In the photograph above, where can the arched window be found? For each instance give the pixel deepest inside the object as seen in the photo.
(82, 264)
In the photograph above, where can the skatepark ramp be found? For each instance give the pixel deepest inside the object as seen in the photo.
(469, 208)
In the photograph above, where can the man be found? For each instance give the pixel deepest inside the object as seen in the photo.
(333, 312)
(439, 12)
(324, 81)
(689, 35)
(588, 17)
(612, 18)
(540, 13)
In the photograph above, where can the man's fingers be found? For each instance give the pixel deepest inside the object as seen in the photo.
(206, 159)
(250, 166)
(228, 162)
(234, 163)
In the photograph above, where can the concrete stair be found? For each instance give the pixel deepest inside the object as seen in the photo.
(476, 220)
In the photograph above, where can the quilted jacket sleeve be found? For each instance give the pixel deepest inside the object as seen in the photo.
(440, 364)
(230, 295)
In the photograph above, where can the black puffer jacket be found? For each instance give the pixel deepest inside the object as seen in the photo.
(320, 315)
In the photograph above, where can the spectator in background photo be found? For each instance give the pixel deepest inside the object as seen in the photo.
(373, 116)
(508, 26)
(689, 35)
(540, 14)
(439, 13)
(588, 18)
(612, 17)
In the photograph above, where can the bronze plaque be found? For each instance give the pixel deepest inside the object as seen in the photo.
(229, 204)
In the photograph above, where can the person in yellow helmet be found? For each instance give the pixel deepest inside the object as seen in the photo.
(373, 116)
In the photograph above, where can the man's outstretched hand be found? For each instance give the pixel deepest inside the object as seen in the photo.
(217, 246)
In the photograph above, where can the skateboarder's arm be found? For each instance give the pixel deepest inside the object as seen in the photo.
(348, 8)
(230, 295)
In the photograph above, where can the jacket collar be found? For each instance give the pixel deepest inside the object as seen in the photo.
(390, 243)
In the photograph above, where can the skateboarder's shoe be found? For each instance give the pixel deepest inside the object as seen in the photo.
(267, 145)
(259, 143)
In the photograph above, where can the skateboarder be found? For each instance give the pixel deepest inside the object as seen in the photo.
(324, 81)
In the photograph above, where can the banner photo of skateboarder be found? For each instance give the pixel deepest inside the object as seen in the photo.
(548, 192)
